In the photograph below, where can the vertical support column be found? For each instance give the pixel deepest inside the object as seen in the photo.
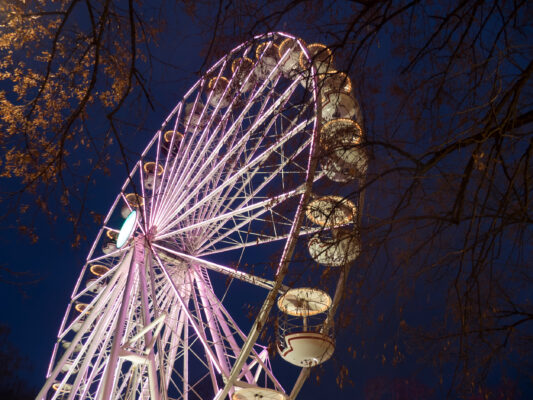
(186, 360)
(111, 370)
(147, 316)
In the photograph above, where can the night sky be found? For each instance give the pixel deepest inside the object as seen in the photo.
(34, 311)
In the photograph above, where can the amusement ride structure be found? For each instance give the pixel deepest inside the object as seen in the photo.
(237, 185)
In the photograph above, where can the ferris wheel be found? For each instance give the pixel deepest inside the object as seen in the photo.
(236, 186)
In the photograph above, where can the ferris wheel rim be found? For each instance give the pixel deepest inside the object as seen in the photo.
(147, 226)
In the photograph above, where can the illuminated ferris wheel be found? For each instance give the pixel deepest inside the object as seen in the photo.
(232, 188)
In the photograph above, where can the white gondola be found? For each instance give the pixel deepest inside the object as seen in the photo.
(321, 56)
(340, 105)
(109, 247)
(344, 158)
(343, 247)
(256, 393)
(109, 242)
(167, 141)
(62, 389)
(335, 81)
(94, 287)
(69, 366)
(219, 92)
(291, 65)
(82, 308)
(134, 201)
(267, 56)
(98, 269)
(339, 135)
(304, 302)
(303, 338)
(307, 349)
(151, 170)
(193, 120)
(331, 211)
(242, 68)
(77, 325)
(66, 345)
(341, 172)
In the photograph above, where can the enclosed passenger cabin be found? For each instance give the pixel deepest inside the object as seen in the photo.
(81, 308)
(331, 211)
(134, 202)
(171, 142)
(193, 120)
(290, 66)
(335, 248)
(242, 69)
(337, 105)
(256, 393)
(344, 156)
(151, 170)
(99, 269)
(335, 81)
(63, 390)
(69, 366)
(342, 172)
(94, 286)
(109, 242)
(321, 57)
(219, 92)
(267, 56)
(66, 344)
(303, 337)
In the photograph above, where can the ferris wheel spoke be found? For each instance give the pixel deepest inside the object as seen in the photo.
(90, 349)
(179, 193)
(170, 163)
(208, 179)
(262, 206)
(192, 145)
(244, 276)
(211, 325)
(202, 143)
(192, 320)
(101, 321)
(257, 242)
(226, 324)
(223, 314)
(228, 182)
(111, 257)
(180, 172)
(215, 229)
(244, 191)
